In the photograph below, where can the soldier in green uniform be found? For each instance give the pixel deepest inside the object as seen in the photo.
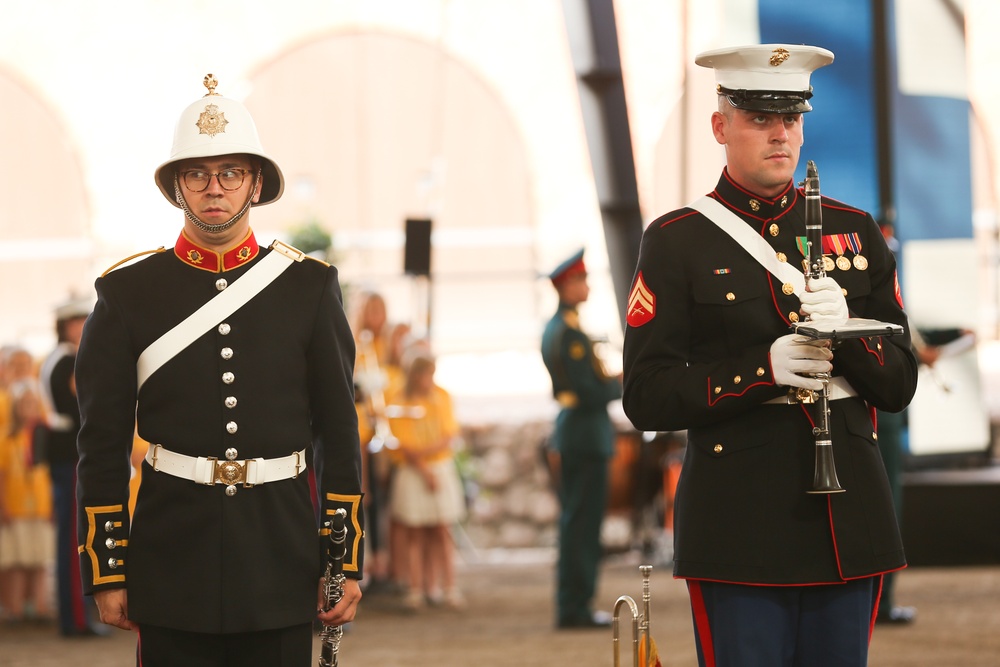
(584, 438)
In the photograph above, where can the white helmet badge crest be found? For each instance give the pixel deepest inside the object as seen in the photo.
(211, 121)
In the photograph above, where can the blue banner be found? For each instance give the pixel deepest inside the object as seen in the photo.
(931, 168)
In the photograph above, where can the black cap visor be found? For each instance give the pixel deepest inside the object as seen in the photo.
(769, 101)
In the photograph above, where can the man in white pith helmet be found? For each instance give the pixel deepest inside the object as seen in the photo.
(781, 570)
(231, 360)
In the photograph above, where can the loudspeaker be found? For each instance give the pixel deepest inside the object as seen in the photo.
(417, 253)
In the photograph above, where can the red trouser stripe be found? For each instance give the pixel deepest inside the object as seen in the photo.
(78, 611)
(701, 622)
(878, 601)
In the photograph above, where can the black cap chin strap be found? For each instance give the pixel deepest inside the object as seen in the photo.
(204, 226)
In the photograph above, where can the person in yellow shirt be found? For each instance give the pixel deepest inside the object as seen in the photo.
(426, 497)
(26, 532)
(374, 375)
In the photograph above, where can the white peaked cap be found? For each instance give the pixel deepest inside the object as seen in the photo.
(766, 77)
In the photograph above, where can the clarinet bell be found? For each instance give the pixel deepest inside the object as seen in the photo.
(825, 473)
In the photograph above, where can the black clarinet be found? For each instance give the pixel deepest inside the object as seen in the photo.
(333, 587)
(825, 472)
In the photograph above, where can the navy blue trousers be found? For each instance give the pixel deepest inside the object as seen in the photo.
(74, 617)
(283, 647)
(784, 626)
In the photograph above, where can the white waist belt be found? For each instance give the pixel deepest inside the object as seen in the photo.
(836, 389)
(210, 470)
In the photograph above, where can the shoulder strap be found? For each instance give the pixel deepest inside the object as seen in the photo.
(226, 302)
(752, 242)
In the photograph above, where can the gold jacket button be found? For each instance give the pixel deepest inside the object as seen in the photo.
(718, 390)
(717, 449)
(874, 435)
(737, 379)
(782, 257)
(788, 289)
(793, 317)
(760, 371)
(754, 205)
(730, 296)
(773, 230)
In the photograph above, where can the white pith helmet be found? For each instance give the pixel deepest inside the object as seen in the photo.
(212, 126)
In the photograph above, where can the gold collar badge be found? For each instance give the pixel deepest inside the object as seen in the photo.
(211, 121)
(243, 254)
(779, 56)
(194, 257)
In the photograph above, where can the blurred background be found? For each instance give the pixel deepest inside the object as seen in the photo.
(449, 153)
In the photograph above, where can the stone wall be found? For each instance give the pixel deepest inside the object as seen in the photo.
(512, 502)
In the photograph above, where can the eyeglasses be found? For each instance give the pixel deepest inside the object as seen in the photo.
(197, 180)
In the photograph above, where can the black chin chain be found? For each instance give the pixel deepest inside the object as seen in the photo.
(214, 229)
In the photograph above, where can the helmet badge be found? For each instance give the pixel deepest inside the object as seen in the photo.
(778, 56)
(211, 121)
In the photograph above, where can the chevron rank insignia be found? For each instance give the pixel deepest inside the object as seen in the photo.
(641, 303)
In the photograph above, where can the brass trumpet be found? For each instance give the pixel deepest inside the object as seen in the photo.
(374, 386)
(640, 623)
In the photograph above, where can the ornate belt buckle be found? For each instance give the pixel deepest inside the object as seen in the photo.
(230, 473)
(801, 395)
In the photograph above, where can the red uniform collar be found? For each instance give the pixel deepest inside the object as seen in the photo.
(194, 255)
(752, 205)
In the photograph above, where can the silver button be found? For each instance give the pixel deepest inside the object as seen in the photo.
(230, 401)
(221, 284)
(232, 427)
(228, 377)
(231, 454)
(110, 543)
(226, 353)
(109, 526)
(230, 490)
(113, 563)
(224, 329)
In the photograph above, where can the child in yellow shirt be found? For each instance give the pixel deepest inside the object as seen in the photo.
(26, 531)
(426, 496)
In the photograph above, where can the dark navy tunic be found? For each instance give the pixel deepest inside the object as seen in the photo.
(702, 316)
(194, 558)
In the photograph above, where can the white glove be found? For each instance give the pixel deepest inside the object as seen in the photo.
(824, 300)
(793, 357)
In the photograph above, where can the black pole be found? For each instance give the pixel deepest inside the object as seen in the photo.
(609, 138)
(884, 86)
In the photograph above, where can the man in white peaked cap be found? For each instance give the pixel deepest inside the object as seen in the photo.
(230, 359)
(62, 423)
(779, 571)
